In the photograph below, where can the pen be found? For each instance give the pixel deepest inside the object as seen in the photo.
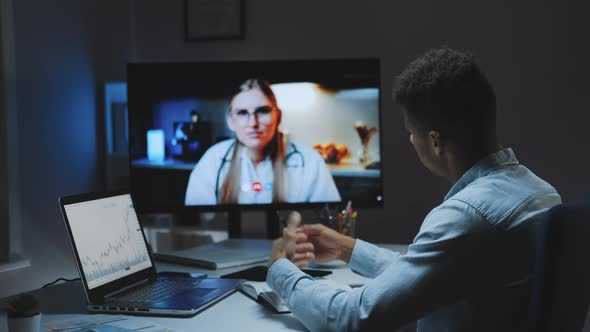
(326, 215)
(348, 208)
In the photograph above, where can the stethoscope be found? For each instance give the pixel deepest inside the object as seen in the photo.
(288, 164)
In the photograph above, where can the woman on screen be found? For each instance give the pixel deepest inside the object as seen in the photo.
(259, 166)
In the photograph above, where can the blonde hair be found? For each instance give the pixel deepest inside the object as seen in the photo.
(230, 189)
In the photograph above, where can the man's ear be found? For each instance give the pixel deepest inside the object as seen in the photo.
(435, 142)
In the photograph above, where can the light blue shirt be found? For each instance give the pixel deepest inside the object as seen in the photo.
(468, 269)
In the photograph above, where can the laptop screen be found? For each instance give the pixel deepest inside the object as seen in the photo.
(108, 239)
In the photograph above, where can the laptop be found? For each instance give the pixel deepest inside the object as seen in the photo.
(116, 267)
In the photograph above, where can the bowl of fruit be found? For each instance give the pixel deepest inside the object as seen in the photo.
(333, 153)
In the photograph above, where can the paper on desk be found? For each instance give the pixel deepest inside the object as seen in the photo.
(138, 324)
(81, 321)
(108, 323)
(112, 328)
(155, 328)
(101, 328)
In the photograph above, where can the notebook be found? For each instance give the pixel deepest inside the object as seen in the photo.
(259, 291)
(116, 268)
(257, 288)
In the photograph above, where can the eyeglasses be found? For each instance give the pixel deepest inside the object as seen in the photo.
(262, 113)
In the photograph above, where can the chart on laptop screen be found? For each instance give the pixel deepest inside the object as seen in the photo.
(108, 239)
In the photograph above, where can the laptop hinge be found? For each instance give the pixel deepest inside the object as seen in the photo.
(126, 288)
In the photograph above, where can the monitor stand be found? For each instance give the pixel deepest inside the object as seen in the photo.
(273, 225)
(234, 223)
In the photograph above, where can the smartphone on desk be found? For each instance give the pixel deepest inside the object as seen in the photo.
(258, 273)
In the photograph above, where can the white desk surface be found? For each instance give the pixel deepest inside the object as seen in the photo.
(234, 313)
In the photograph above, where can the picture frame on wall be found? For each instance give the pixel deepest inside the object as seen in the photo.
(214, 20)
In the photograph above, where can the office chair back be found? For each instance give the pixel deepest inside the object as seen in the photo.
(561, 283)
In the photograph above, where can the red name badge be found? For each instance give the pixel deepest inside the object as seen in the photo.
(257, 186)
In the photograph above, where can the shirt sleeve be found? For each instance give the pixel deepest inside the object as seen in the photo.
(369, 260)
(447, 259)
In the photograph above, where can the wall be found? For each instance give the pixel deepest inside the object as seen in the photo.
(533, 51)
(5, 31)
(56, 135)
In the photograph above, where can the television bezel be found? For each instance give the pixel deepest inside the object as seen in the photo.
(156, 208)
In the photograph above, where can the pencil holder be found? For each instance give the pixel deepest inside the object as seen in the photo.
(346, 224)
(343, 221)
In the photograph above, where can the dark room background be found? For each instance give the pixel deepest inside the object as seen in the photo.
(535, 52)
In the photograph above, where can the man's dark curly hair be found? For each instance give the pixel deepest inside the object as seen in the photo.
(445, 90)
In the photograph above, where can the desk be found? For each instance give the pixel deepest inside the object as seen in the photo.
(234, 313)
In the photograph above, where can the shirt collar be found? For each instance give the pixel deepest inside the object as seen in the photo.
(244, 156)
(482, 168)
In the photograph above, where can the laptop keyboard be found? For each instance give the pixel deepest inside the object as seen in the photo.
(160, 290)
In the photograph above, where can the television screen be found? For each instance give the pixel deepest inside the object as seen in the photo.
(255, 133)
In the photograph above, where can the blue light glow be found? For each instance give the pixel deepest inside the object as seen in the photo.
(155, 145)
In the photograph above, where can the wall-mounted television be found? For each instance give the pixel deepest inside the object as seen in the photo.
(255, 134)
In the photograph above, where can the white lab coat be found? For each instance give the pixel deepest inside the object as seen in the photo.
(309, 180)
